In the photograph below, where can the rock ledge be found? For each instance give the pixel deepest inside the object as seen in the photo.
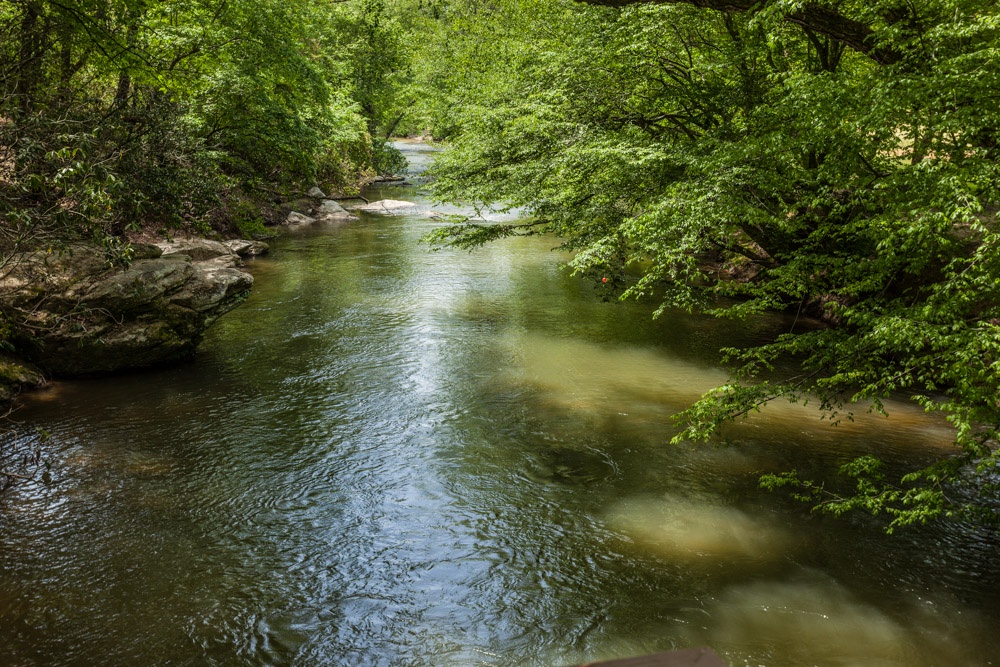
(73, 314)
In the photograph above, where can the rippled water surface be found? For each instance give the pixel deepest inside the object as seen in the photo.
(391, 456)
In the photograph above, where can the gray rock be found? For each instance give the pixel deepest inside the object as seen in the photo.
(316, 193)
(303, 205)
(196, 249)
(296, 219)
(140, 284)
(386, 206)
(213, 288)
(331, 211)
(79, 316)
(247, 248)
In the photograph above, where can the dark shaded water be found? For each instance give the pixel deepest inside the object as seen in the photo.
(390, 456)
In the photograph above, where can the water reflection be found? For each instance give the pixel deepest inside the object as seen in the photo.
(810, 614)
(698, 529)
(389, 456)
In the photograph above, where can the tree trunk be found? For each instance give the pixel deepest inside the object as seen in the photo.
(29, 58)
(124, 88)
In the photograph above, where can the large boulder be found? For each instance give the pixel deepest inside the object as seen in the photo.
(327, 211)
(73, 314)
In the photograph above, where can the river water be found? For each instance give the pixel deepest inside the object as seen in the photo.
(392, 456)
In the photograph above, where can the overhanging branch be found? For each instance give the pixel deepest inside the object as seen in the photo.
(821, 20)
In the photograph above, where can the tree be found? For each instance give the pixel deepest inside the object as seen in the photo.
(165, 114)
(374, 69)
(838, 162)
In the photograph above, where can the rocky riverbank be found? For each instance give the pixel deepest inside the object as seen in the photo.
(74, 314)
(70, 313)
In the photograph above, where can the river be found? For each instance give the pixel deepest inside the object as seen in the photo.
(394, 456)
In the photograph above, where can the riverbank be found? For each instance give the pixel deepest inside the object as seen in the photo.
(72, 313)
(75, 315)
(83, 317)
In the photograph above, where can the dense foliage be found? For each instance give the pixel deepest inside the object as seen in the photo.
(838, 161)
(124, 114)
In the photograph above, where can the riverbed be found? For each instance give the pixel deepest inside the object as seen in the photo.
(396, 456)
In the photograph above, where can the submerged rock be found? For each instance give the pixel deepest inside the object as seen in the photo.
(699, 530)
(840, 628)
(73, 314)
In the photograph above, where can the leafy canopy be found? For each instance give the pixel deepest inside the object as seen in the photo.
(763, 157)
(120, 114)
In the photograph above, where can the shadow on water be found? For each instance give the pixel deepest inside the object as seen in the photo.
(391, 456)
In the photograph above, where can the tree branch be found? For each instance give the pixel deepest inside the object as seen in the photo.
(821, 20)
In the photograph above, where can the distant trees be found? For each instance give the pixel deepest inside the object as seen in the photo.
(837, 161)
